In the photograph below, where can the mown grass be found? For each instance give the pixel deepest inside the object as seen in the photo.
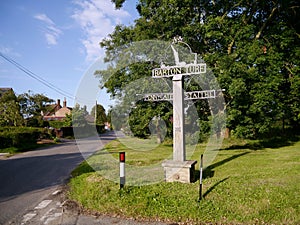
(241, 186)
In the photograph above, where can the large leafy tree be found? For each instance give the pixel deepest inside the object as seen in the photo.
(10, 110)
(251, 46)
(32, 105)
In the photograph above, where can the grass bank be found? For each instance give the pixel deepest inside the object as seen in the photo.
(241, 186)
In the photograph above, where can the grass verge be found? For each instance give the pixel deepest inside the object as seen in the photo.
(242, 186)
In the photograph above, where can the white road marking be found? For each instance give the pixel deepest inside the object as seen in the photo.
(28, 217)
(56, 192)
(50, 216)
(43, 204)
(53, 217)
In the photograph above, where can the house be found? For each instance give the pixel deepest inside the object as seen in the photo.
(56, 111)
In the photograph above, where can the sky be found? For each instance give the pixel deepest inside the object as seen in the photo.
(57, 42)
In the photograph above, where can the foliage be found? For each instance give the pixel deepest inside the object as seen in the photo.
(251, 46)
(56, 123)
(100, 115)
(32, 105)
(144, 113)
(77, 117)
(10, 110)
(36, 121)
(20, 137)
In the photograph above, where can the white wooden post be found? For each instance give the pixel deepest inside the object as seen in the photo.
(178, 119)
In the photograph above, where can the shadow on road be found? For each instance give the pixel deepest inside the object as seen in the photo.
(22, 175)
(45, 167)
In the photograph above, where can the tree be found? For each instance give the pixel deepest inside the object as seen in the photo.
(99, 112)
(32, 106)
(77, 117)
(10, 110)
(251, 46)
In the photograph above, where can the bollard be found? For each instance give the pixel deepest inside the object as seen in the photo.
(122, 169)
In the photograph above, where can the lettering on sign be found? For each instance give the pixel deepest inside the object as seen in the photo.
(187, 96)
(158, 97)
(200, 94)
(170, 71)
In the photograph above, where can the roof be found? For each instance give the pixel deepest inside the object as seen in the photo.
(52, 109)
(56, 112)
(63, 111)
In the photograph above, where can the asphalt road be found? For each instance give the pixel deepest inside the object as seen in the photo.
(27, 178)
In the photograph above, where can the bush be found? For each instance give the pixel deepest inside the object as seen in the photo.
(56, 124)
(18, 136)
(36, 122)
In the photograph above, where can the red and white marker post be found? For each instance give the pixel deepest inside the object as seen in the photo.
(122, 169)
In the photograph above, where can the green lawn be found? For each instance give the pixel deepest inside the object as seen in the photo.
(241, 186)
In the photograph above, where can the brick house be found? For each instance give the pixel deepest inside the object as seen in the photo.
(56, 111)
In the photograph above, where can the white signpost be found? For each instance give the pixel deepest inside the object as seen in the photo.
(179, 169)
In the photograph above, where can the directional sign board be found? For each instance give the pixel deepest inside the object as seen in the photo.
(170, 71)
(153, 97)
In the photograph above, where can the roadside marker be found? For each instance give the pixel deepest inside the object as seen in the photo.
(122, 169)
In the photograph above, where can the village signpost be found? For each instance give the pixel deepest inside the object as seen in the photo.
(179, 169)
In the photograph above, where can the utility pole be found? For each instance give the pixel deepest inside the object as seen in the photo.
(96, 113)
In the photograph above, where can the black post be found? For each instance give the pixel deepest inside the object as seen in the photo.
(200, 180)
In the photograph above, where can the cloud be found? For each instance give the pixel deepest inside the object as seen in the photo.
(51, 31)
(7, 51)
(97, 19)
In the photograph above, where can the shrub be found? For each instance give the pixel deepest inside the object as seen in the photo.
(18, 136)
(56, 124)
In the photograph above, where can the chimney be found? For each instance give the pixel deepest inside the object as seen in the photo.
(58, 101)
(65, 103)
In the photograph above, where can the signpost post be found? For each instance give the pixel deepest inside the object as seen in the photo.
(179, 169)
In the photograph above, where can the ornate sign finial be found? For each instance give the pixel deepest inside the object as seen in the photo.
(177, 39)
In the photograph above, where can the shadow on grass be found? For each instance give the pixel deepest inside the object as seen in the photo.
(84, 167)
(209, 171)
(214, 186)
(286, 139)
(222, 162)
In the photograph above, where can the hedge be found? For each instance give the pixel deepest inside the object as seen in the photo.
(18, 136)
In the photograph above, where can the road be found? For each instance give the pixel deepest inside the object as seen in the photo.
(28, 178)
